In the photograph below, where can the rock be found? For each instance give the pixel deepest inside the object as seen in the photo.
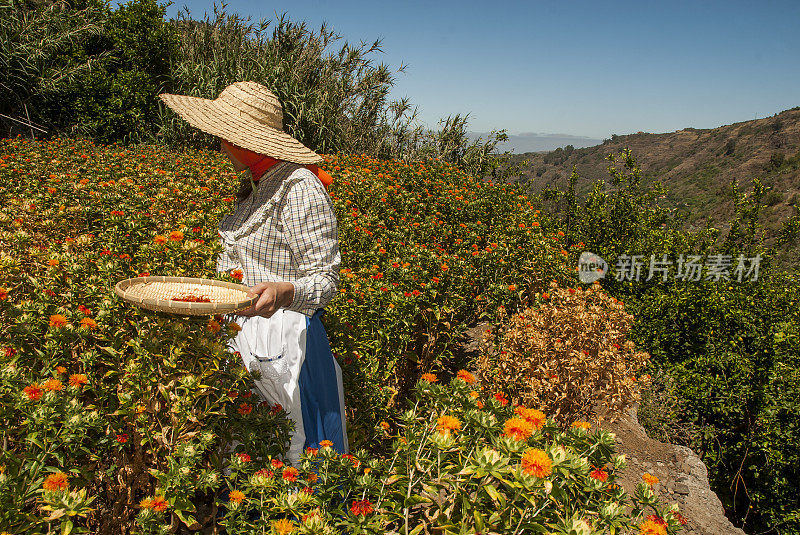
(683, 478)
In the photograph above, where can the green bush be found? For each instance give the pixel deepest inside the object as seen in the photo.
(724, 348)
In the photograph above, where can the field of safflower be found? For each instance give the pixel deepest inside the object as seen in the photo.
(116, 419)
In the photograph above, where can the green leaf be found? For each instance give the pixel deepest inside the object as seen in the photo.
(187, 519)
(495, 495)
(479, 522)
(415, 500)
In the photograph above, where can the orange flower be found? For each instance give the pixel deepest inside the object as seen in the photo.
(446, 424)
(465, 376)
(290, 473)
(283, 526)
(536, 463)
(78, 380)
(512, 287)
(480, 404)
(176, 235)
(236, 496)
(57, 320)
(650, 479)
(3, 293)
(363, 507)
(533, 417)
(237, 274)
(52, 262)
(325, 444)
(159, 240)
(147, 503)
(501, 397)
(53, 385)
(648, 527)
(159, 503)
(518, 428)
(61, 369)
(56, 482)
(474, 395)
(34, 392)
(599, 474)
(431, 378)
(214, 326)
(581, 425)
(245, 408)
(312, 477)
(89, 323)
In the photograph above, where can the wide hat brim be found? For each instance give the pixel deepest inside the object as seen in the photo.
(220, 119)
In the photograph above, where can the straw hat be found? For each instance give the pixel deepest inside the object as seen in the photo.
(246, 114)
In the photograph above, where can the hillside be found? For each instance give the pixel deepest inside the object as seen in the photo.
(695, 166)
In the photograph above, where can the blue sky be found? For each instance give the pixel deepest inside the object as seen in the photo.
(583, 68)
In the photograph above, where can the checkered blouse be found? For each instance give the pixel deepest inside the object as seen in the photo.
(285, 230)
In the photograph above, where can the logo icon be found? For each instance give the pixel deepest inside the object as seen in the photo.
(591, 267)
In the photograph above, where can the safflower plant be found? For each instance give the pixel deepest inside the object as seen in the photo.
(114, 419)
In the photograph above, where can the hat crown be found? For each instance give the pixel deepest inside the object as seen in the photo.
(255, 101)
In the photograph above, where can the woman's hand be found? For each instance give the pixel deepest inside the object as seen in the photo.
(273, 295)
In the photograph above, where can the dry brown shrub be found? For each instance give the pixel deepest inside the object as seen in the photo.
(569, 357)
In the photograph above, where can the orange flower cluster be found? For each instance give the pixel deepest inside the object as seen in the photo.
(53, 385)
(465, 376)
(56, 482)
(89, 324)
(650, 479)
(537, 463)
(283, 526)
(648, 527)
(34, 392)
(362, 507)
(518, 429)
(431, 378)
(58, 321)
(599, 474)
(290, 474)
(78, 380)
(447, 424)
(532, 416)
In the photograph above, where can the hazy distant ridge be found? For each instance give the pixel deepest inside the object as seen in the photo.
(538, 142)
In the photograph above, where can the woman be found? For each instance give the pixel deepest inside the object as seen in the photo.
(283, 236)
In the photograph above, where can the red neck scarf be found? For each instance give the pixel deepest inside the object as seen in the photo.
(259, 163)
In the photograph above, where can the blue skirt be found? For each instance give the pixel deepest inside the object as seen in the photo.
(322, 390)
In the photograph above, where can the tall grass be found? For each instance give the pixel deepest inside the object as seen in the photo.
(36, 37)
(333, 101)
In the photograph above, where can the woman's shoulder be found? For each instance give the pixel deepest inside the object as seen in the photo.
(298, 172)
(302, 180)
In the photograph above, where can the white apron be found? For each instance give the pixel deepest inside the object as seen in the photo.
(275, 347)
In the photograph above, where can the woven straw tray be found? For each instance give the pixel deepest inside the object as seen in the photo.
(184, 295)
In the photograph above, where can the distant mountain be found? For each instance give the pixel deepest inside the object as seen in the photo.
(695, 166)
(533, 142)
